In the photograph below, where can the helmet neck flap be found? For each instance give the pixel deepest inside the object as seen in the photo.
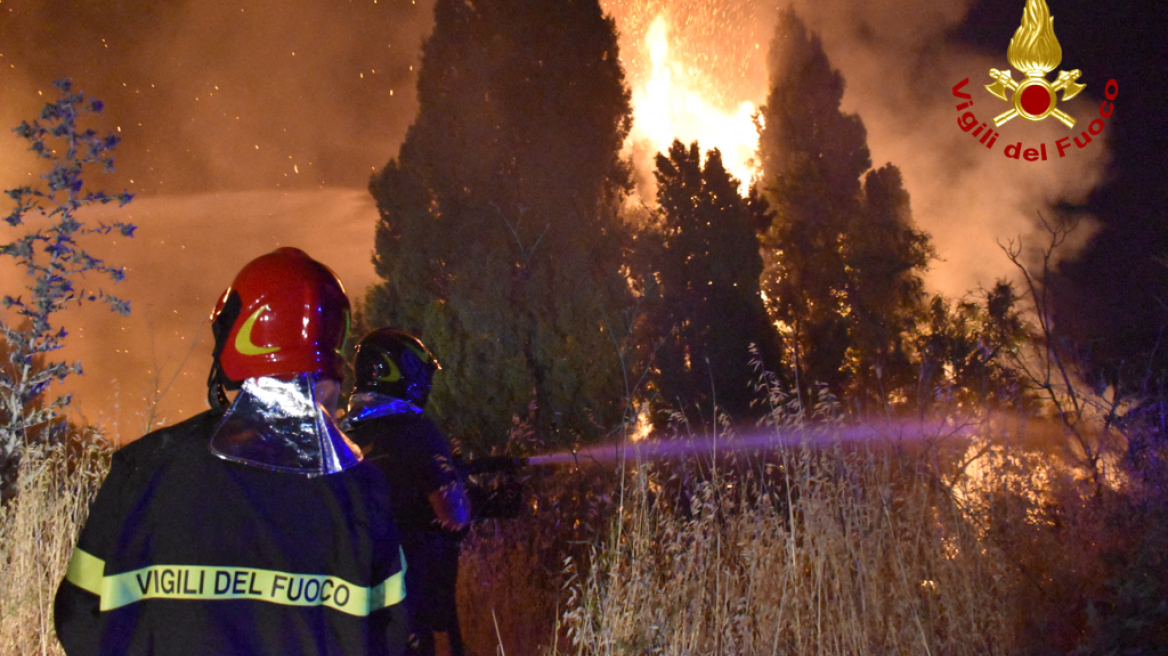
(280, 425)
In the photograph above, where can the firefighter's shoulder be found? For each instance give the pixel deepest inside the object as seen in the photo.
(176, 441)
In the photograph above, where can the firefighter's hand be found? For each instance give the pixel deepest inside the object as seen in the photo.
(451, 506)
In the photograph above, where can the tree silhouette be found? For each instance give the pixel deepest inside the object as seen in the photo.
(499, 240)
(884, 256)
(700, 262)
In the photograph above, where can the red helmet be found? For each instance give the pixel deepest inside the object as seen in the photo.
(284, 314)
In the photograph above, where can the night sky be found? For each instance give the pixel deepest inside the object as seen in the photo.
(252, 125)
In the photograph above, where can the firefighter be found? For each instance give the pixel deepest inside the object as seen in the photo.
(254, 528)
(393, 375)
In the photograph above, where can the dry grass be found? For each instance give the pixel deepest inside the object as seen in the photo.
(816, 551)
(37, 532)
(511, 574)
(506, 595)
(825, 550)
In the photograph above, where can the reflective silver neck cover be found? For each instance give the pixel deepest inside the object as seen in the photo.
(371, 405)
(281, 426)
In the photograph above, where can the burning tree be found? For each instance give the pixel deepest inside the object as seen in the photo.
(53, 259)
(700, 265)
(499, 239)
(843, 260)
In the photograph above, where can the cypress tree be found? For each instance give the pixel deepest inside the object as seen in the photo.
(842, 257)
(701, 265)
(498, 239)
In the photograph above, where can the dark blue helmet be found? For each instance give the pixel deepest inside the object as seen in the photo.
(396, 364)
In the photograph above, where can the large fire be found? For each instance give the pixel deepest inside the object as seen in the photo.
(697, 72)
(669, 106)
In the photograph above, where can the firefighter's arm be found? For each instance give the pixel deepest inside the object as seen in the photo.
(451, 506)
(389, 627)
(77, 605)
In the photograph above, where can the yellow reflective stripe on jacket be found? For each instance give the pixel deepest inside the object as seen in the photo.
(85, 571)
(217, 583)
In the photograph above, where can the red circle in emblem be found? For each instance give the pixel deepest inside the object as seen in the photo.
(1035, 100)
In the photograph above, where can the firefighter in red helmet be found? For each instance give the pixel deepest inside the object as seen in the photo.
(393, 376)
(254, 528)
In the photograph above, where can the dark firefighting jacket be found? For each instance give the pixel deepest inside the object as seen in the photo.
(186, 553)
(416, 460)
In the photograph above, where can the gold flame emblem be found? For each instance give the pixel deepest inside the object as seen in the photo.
(1035, 51)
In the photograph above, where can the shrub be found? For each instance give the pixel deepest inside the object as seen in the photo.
(52, 256)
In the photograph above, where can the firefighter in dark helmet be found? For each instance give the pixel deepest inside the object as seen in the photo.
(430, 506)
(254, 528)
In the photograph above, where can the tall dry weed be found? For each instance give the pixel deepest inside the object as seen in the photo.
(507, 597)
(814, 550)
(38, 529)
(511, 573)
(822, 547)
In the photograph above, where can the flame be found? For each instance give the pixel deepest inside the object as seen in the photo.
(644, 424)
(667, 107)
(1034, 50)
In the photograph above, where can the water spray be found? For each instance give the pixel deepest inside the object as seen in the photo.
(769, 439)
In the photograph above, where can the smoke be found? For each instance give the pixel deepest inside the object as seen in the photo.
(899, 62)
(969, 198)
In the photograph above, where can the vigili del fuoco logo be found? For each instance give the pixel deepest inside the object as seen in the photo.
(1034, 52)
